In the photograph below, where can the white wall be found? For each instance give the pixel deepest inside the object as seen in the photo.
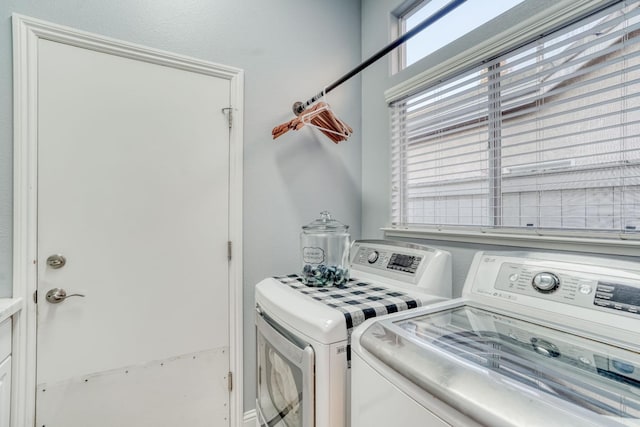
(289, 50)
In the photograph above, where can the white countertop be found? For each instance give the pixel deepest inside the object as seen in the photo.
(9, 307)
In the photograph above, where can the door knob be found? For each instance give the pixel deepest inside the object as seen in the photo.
(56, 261)
(57, 295)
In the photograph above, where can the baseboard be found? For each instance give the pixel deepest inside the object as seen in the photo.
(250, 418)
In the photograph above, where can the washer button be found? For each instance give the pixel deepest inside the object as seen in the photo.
(514, 277)
(585, 289)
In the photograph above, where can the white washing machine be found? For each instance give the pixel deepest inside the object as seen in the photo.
(303, 333)
(536, 340)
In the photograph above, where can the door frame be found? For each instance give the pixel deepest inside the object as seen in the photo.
(26, 33)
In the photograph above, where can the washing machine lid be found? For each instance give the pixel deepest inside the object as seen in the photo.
(502, 370)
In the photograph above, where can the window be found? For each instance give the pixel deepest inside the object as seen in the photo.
(546, 137)
(458, 22)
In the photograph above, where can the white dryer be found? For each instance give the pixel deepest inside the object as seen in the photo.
(536, 339)
(303, 333)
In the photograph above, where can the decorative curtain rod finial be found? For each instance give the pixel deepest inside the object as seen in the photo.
(298, 108)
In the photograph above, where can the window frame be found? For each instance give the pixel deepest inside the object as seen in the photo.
(563, 14)
(400, 16)
(527, 21)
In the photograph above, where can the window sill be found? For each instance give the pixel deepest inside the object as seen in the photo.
(627, 247)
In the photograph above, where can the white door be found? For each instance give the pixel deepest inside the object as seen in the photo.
(133, 192)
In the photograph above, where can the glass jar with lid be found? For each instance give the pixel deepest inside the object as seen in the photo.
(325, 252)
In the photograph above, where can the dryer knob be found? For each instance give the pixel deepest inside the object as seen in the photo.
(545, 282)
(373, 257)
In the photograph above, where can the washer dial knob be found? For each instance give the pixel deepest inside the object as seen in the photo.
(545, 282)
(373, 257)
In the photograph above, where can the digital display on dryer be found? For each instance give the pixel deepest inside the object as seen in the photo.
(405, 263)
(618, 297)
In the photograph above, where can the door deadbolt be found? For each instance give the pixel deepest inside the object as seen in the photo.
(56, 261)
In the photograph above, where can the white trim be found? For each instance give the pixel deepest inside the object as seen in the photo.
(250, 419)
(26, 33)
(236, 324)
(565, 243)
(445, 63)
(24, 215)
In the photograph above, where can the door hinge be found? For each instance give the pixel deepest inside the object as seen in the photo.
(229, 250)
(35, 296)
(229, 113)
(230, 381)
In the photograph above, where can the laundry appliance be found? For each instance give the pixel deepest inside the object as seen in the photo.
(537, 339)
(303, 333)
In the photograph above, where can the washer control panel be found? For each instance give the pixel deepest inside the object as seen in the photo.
(570, 287)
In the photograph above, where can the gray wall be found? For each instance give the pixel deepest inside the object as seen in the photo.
(289, 50)
(376, 148)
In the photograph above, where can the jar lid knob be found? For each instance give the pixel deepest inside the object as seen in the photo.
(326, 223)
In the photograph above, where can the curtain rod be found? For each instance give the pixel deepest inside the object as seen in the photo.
(299, 107)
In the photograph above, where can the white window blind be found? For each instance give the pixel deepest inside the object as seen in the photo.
(546, 137)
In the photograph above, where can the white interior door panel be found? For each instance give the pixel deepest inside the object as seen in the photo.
(133, 190)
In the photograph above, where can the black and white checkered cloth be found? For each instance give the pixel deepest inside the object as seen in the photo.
(357, 300)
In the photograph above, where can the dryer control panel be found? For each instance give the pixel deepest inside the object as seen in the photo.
(406, 263)
(384, 259)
